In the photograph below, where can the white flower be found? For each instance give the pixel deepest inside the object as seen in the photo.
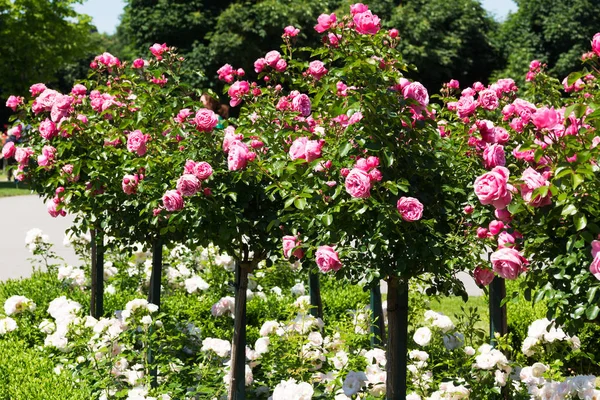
(418, 355)
(315, 338)
(527, 346)
(225, 304)
(195, 283)
(340, 359)
(469, 350)
(353, 383)
(303, 303)
(377, 355)
(63, 310)
(422, 336)
(135, 304)
(538, 328)
(35, 237)
(7, 325)
(220, 347)
(575, 342)
(290, 390)
(413, 396)
(298, 289)
(225, 261)
(109, 270)
(444, 323)
(18, 304)
(268, 328)
(490, 359)
(262, 345)
(500, 377)
(146, 320)
(277, 290)
(47, 326)
(110, 289)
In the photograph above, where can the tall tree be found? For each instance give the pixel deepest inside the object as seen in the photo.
(446, 40)
(556, 32)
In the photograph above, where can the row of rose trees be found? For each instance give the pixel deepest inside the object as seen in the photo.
(337, 160)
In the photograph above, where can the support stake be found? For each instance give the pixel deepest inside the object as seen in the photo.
(314, 287)
(377, 324)
(237, 383)
(154, 296)
(498, 321)
(397, 339)
(97, 272)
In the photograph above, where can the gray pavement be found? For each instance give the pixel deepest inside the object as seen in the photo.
(19, 214)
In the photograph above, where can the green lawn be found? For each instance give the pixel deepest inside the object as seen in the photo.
(450, 306)
(13, 189)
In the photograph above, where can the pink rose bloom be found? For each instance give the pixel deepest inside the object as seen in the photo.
(205, 120)
(67, 169)
(188, 185)
(172, 200)
(47, 129)
(393, 33)
(272, 57)
(108, 59)
(158, 49)
(290, 31)
(79, 90)
(358, 184)
(259, 65)
(545, 118)
(596, 44)
(327, 259)
(302, 104)
(136, 142)
(358, 8)
(324, 22)
(130, 184)
(317, 69)
(595, 267)
(22, 154)
(281, 65)
(203, 170)
(37, 89)
(503, 215)
(52, 208)
(488, 99)
(482, 233)
(491, 188)
(334, 39)
(289, 243)
(363, 164)
(313, 149)
(483, 276)
(508, 263)
(466, 106)
(237, 91)
(230, 137)
(501, 135)
(468, 209)
(61, 107)
(595, 141)
(13, 102)
(8, 150)
(453, 84)
(182, 115)
(493, 156)
(138, 63)
(595, 248)
(238, 156)
(416, 91)
(410, 209)
(495, 227)
(505, 239)
(366, 23)
(45, 101)
(533, 180)
(15, 131)
(375, 175)
(298, 148)
(527, 155)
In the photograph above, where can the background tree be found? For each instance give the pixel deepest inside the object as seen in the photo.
(556, 32)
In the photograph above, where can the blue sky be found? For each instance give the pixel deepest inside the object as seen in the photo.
(105, 13)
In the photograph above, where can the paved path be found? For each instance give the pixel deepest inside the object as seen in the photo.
(19, 214)
(22, 213)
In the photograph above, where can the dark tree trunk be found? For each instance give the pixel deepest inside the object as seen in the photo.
(314, 288)
(397, 342)
(377, 324)
(97, 272)
(237, 383)
(498, 321)
(154, 295)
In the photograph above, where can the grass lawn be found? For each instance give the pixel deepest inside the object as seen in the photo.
(450, 306)
(13, 189)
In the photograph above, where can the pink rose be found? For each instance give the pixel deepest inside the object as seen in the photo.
(595, 267)
(272, 57)
(182, 115)
(503, 215)
(596, 44)
(298, 148)
(483, 276)
(8, 150)
(237, 91)
(595, 248)
(410, 209)
(493, 156)
(375, 175)
(394, 33)
(468, 209)
(188, 185)
(79, 90)
(505, 239)
(313, 149)
(136, 142)
(289, 243)
(61, 107)
(230, 137)
(205, 120)
(327, 259)
(47, 129)
(491, 188)
(508, 263)
(453, 84)
(37, 89)
(495, 227)
(281, 65)
(108, 60)
(22, 154)
(158, 50)
(366, 23)
(238, 156)
(138, 63)
(317, 69)
(259, 65)
(130, 184)
(172, 200)
(302, 104)
(13, 102)
(482, 233)
(358, 184)
(533, 180)
(52, 208)
(324, 22)
(466, 106)
(290, 31)
(501, 135)
(358, 8)
(203, 170)
(334, 39)
(488, 99)
(416, 91)
(545, 118)
(45, 101)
